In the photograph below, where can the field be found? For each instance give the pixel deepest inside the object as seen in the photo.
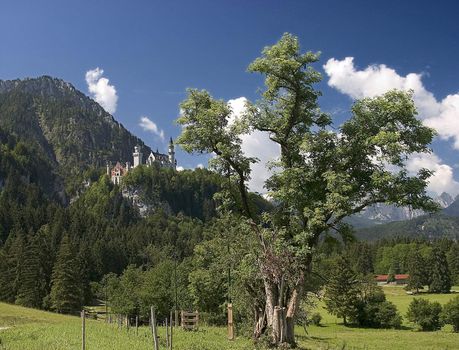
(23, 329)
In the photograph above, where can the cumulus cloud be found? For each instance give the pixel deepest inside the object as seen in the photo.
(180, 168)
(442, 180)
(377, 79)
(257, 144)
(442, 115)
(149, 125)
(101, 90)
(200, 166)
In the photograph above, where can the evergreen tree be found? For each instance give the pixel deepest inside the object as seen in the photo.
(66, 292)
(453, 262)
(417, 271)
(32, 287)
(11, 265)
(440, 279)
(342, 292)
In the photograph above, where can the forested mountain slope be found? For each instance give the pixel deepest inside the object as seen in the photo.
(70, 129)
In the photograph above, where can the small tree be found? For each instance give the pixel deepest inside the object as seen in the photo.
(342, 291)
(450, 314)
(440, 278)
(425, 314)
(417, 271)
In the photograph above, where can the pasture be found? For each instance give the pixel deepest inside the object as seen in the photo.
(22, 328)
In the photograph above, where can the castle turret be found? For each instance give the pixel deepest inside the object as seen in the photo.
(172, 153)
(137, 156)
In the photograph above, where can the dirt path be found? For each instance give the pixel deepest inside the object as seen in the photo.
(3, 328)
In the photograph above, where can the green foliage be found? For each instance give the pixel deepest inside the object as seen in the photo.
(315, 319)
(440, 279)
(373, 310)
(66, 292)
(453, 262)
(342, 291)
(450, 313)
(425, 314)
(322, 176)
(417, 270)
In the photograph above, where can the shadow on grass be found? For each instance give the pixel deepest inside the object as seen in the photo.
(356, 326)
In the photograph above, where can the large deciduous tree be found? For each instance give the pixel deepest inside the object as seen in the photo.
(324, 173)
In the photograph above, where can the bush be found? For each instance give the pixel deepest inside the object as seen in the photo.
(373, 310)
(425, 314)
(450, 314)
(387, 315)
(315, 319)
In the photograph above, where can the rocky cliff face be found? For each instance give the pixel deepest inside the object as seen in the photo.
(382, 213)
(71, 129)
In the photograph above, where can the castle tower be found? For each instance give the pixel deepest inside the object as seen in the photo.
(137, 156)
(172, 153)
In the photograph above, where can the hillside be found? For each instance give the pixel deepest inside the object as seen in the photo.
(73, 132)
(427, 226)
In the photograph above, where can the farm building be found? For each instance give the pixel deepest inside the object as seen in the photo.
(392, 279)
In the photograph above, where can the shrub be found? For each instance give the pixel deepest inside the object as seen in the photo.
(450, 313)
(315, 319)
(387, 315)
(425, 314)
(373, 310)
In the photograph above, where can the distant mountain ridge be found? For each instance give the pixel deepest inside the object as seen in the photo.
(383, 213)
(430, 226)
(72, 130)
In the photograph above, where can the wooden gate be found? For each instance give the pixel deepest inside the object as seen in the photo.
(190, 320)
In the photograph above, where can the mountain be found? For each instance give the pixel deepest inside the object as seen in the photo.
(427, 226)
(73, 131)
(383, 213)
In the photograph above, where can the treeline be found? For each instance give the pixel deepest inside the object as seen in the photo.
(49, 252)
(432, 263)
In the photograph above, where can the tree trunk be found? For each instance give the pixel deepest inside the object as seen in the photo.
(279, 318)
(260, 323)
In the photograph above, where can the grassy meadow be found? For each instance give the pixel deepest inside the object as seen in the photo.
(23, 329)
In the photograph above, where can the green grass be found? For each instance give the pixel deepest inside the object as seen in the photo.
(34, 329)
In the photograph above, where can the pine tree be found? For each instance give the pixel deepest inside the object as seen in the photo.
(66, 292)
(417, 271)
(342, 292)
(32, 288)
(11, 265)
(453, 262)
(440, 279)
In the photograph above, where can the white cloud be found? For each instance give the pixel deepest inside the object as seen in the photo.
(101, 90)
(180, 168)
(149, 125)
(442, 115)
(200, 166)
(442, 180)
(257, 144)
(376, 79)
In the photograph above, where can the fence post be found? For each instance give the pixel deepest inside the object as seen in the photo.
(153, 329)
(230, 322)
(167, 334)
(83, 330)
(171, 330)
(176, 318)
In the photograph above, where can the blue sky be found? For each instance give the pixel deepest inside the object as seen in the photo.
(151, 51)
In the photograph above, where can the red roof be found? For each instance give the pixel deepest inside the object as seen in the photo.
(402, 277)
(381, 278)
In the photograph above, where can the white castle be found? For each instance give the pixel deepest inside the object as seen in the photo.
(155, 158)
